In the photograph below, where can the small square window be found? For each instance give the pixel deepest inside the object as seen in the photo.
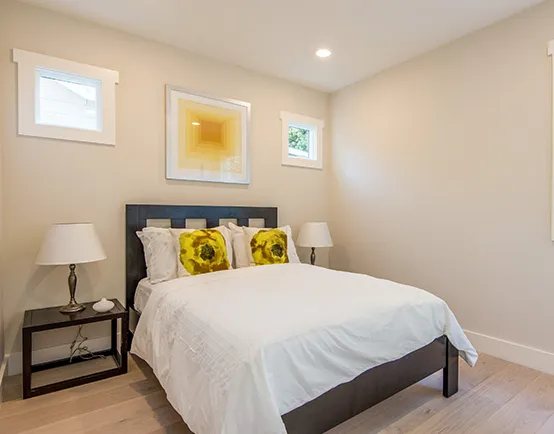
(302, 144)
(301, 140)
(68, 100)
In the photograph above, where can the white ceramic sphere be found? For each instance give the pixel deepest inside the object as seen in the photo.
(103, 306)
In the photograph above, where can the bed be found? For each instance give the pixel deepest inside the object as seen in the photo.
(177, 328)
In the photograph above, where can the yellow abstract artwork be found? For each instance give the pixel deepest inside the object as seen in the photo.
(209, 137)
(207, 142)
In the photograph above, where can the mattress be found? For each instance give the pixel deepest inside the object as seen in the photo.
(143, 293)
(236, 349)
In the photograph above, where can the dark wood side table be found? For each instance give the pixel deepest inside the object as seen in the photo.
(113, 363)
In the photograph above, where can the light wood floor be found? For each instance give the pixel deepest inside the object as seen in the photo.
(494, 397)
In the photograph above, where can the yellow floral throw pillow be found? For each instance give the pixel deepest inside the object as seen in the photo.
(203, 251)
(269, 247)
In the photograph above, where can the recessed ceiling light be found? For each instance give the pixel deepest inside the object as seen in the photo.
(196, 124)
(323, 52)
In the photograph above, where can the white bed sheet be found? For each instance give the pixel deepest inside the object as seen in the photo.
(236, 349)
(143, 293)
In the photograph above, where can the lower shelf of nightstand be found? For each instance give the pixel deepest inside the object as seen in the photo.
(60, 374)
(75, 370)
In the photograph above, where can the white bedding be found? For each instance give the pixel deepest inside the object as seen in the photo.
(142, 293)
(236, 349)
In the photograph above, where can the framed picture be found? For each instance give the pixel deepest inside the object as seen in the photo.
(207, 139)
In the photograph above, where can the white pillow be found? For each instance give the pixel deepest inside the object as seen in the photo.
(240, 247)
(176, 233)
(159, 254)
(241, 243)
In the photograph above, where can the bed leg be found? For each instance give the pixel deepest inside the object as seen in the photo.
(450, 371)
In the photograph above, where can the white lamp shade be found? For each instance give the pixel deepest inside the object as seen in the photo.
(314, 234)
(72, 243)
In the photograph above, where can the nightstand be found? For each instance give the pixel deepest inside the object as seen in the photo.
(42, 378)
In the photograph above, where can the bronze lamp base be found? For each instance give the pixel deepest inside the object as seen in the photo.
(72, 306)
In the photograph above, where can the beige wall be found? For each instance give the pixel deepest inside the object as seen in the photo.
(47, 181)
(441, 177)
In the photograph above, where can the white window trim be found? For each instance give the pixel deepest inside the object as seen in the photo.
(28, 63)
(305, 122)
(551, 54)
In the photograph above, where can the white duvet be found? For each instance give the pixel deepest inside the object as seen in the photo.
(236, 349)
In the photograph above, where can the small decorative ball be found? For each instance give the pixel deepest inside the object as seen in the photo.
(103, 306)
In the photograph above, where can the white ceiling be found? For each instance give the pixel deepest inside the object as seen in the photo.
(279, 37)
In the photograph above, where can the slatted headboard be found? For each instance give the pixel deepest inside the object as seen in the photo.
(137, 217)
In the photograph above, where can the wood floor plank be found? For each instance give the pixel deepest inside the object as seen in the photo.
(526, 413)
(548, 426)
(176, 428)
(463, 415)
(145, 423)
(104, 419)
(53, 413)
(487, 366)
(393, 408)
(496, 397)
(469, 379)
(137, 372)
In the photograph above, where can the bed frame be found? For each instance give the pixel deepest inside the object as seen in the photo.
(336, 405)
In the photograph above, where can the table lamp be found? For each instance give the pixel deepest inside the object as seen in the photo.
(70, 244)
(314, 234)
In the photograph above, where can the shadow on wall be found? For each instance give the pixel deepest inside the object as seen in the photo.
(35, 283)
(338, 258)
(207, 185)
(323, 256)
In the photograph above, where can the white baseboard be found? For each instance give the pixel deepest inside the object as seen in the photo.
(512, 352)
(54, 353)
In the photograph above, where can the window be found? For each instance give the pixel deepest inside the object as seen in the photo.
(65, 100)
(302, 141)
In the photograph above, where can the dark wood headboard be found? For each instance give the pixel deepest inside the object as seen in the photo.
(137, 217)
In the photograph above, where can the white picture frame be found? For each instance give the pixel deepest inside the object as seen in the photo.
(203, 142)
